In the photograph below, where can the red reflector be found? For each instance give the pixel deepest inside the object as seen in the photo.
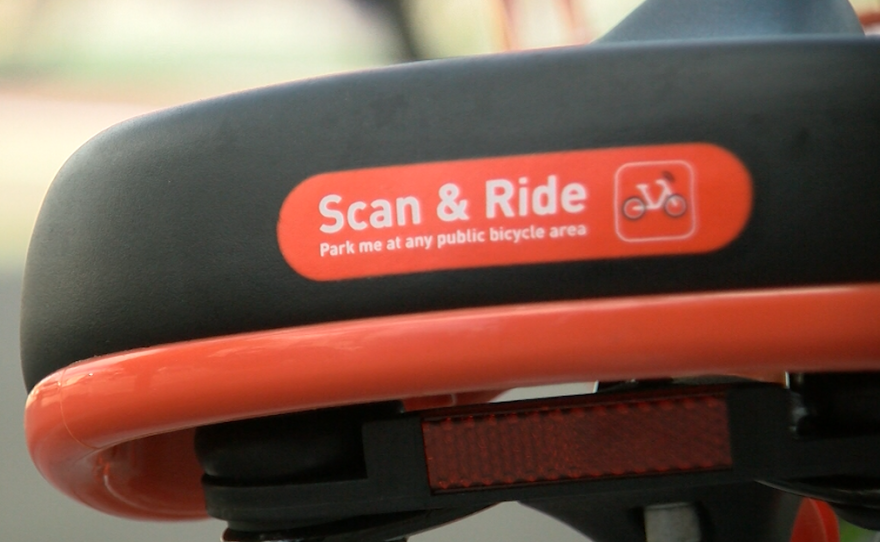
(589, 439)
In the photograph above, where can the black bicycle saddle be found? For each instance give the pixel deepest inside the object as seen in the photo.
(713, 150)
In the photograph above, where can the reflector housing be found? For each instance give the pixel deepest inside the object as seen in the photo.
(584, 439)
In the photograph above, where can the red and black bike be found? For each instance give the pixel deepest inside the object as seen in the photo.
(290, 308)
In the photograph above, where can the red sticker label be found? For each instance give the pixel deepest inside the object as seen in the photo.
(537, 208)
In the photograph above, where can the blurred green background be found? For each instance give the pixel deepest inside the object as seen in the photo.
(70, 68)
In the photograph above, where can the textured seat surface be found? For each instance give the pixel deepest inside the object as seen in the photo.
(165, 228)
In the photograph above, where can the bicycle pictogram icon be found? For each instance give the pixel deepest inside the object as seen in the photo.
(655, 201)
(672, 203)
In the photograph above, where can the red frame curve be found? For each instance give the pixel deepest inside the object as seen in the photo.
(115, 432)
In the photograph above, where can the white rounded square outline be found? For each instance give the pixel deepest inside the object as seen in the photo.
(692, 206)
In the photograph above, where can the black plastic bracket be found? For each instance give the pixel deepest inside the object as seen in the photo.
(763, 438)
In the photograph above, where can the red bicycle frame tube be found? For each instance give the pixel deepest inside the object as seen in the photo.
(113, 431)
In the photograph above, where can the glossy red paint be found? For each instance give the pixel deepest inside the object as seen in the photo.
(815, 522)
(111, 431)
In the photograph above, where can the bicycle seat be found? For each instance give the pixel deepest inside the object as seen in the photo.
(292, 263)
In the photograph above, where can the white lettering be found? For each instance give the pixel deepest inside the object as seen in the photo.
(352, 216)
(573, 196)
(421, 241)
(523, 196)
(544, 197)
(415, 211)
(327, 212)
(516, 235)
(500, 199)
(370, 246)
(381, 218)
